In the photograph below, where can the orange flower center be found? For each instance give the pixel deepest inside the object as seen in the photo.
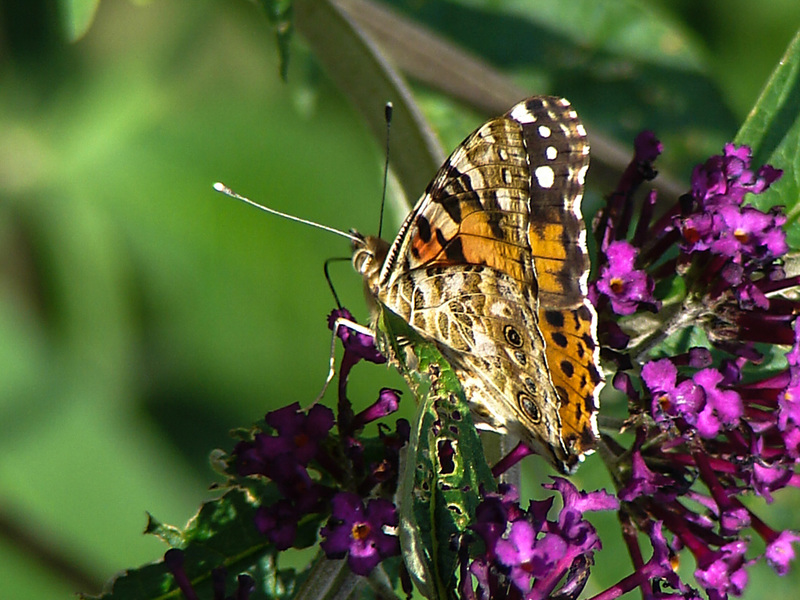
(360, 531)
(617, 285)
(675, 562)
(742, 236)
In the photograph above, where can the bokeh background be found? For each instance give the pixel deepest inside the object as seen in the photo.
(142, 315)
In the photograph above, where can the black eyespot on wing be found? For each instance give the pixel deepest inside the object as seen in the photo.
(513, 336)
(529, 407)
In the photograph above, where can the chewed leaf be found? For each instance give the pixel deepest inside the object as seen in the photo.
(445, 468)
(221, 534)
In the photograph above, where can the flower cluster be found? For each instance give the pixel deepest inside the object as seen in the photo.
(528, 554)
(701, 417)
(316, 473)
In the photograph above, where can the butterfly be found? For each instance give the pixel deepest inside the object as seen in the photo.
(491, 266)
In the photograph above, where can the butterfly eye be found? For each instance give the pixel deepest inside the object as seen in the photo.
(529, 407)
(512, 336)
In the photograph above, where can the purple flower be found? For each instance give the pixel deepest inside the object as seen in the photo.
(297, 441)
(644, 482)
(526, 556)
(780, 552)
(723, 572)
(387, 403)
(747, 232)
(670, 398)
(767, 478)
(279, 523)
(646, 147)
(789, 399)
(358, 532)
(580, 502)
(532, 552)
(695, 418)
(626, 286)
(725, 179)
(494, 513)
(298, 433)
(723, 408)
(357, 345)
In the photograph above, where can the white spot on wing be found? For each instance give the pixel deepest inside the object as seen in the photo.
(582, 174)
(544, 131)
(521, 114)
(545, 176)
(484, 344)
(551, 153)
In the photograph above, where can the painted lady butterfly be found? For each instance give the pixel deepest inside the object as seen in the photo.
(491, 265)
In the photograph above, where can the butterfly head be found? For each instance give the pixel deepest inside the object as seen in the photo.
(369, 254)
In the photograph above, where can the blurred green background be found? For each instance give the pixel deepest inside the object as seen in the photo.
(142, 315)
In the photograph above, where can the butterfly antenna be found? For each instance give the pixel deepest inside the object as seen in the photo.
(224, 189)
(328, 278)
(387, 115)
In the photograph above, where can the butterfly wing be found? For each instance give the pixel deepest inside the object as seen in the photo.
(485, 325)
(507, 201)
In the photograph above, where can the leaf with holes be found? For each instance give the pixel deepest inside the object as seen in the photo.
(445, 469)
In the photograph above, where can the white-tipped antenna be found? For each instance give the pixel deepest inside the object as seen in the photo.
(224, 189)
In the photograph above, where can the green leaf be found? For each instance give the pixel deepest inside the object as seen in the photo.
(222, 534)
(772, 130)
(625, 65)
(445, 469)
(362, 72)
(77, 17)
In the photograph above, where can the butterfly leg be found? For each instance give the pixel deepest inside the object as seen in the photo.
(352, 326)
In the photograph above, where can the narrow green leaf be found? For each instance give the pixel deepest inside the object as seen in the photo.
(364, 75)
(772, 130)
(77, 17)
